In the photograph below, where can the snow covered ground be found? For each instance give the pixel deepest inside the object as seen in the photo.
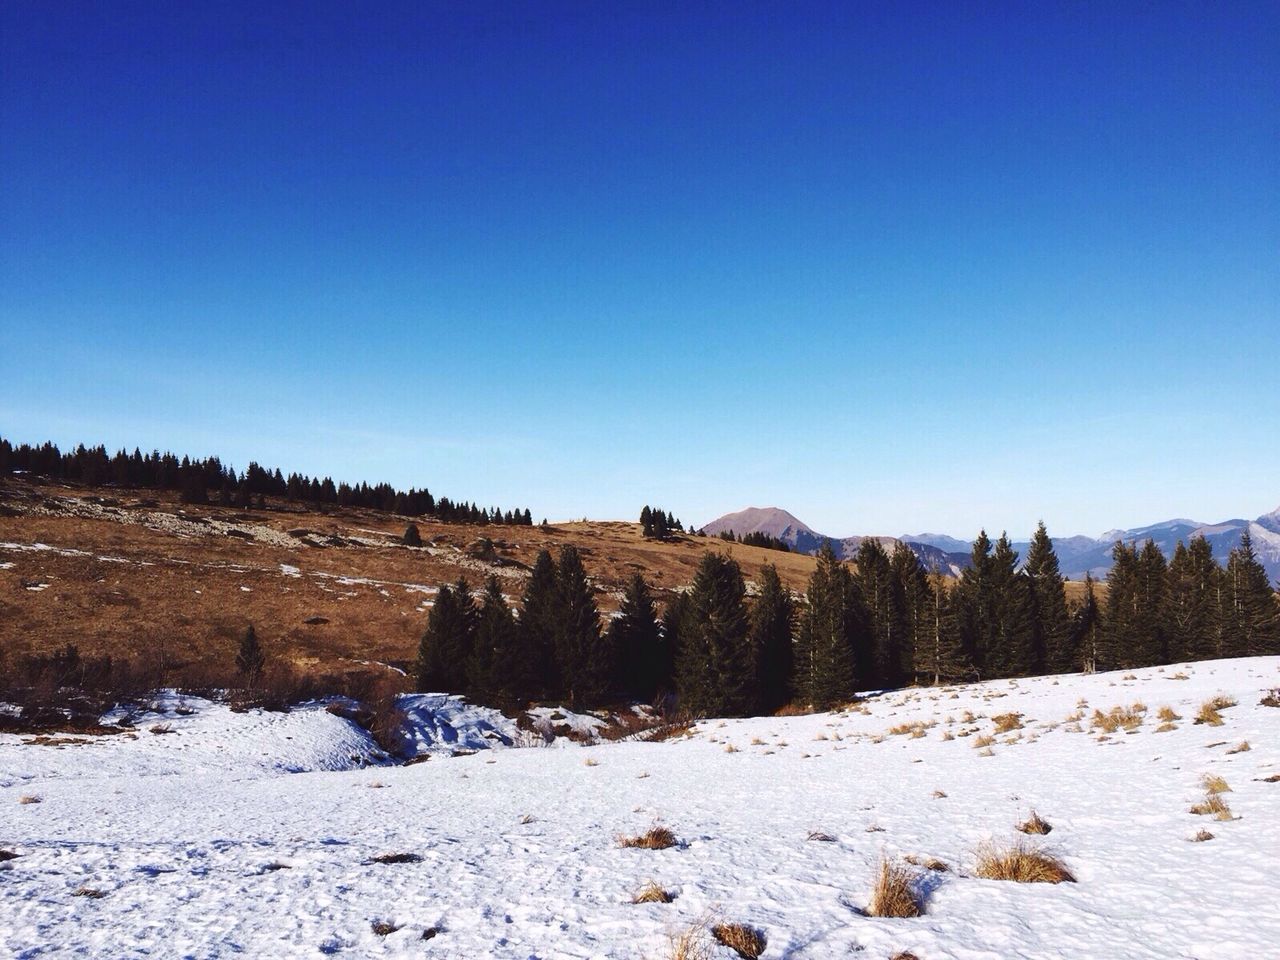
(201, 842)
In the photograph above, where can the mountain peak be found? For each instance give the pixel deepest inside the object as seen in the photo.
(771, 520)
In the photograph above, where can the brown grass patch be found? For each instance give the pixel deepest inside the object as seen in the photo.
(655, 838)
(746, 941)
(1168, 714)
(1006, 722)
(1035, 824)
(1214, 784)
(1127, 718)
(651, 892)
(1212, 805)
(980, 742)
(893, 894)
(1020, 863)
(1208, 714)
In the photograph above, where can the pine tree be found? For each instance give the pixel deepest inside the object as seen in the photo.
(637, 643)
(445, 654)
(583, 654)
(832, 634)
(880, 595)
(1150, 639)
(939, 654)
(539, 614)
(250, 659)
(1087, 635)
(1051, 648)
(715, 675)
(496, 667)
(1194, 605)
(772, 626)
(914, 599)
(411, 538)
(646, 522)
(674, 618)
(1252, 618)
(1010, 654)
(1122, 609)
(973, 605)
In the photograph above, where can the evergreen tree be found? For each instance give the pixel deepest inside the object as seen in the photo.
(832, 635)
(250, 659)
(1011, 653)
(715, 675)
(646, 522)
(913, 594)
(1122, 626)
(772, 625)
(496, 666)
(674, 618)
(1194, 605)
(882, 600)
(1150, 637)
(973, 604)
(939, 654)
(636, 640)
(1051, 646)
(1087, 635)
(411, 538)
(583, 655)
(1252, 618)
(445, 653)
(539, 614)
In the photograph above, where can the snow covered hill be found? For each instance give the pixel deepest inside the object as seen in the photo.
(198, 841)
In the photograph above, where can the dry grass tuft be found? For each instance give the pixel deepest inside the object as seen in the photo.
(1020, 863)
(1006, 722)
(1128, 718)
(746, 941)
(690, 944)
(1214, 784)
(651, 892)
(28, 798)
(929, 863)
(904, 955)
(1223, 701)
(1213, 805)
(91, 892)
(1166, 727)
(1167, 714)
(894, 892)
(820, 837)
(980, 742)
(1241, 747)
(1209, 714)
(1271, 698)
(384, 928)
(591, 762)
(730, 748)
(655, 838)
(1035, 824)
(939, 794)
(1201, 836)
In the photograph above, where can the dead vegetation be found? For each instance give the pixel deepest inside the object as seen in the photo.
(894, 893)
(396, 858)
(1006, 722)
(1118, 718)
(92, 893)
(1241, 747)
(652, 892)
(1213, 805)
(1020, 863)
(655, 838)
(1271, 698)
(384, 928)
(1201, 836)
(746, 941)
(1035, 824)
(820, 837)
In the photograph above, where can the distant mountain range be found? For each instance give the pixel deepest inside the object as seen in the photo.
(1078, 555)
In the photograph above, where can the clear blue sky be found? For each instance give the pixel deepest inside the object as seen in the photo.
(896, 267)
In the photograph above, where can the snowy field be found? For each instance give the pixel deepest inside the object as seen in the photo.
(254, 835)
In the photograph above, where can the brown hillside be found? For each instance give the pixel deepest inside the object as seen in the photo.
(138, 574)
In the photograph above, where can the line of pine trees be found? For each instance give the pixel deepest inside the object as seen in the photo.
(882, 621)
(194, 478)
(757, 538)
(658, 524)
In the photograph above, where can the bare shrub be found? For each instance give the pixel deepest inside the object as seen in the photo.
(893, 894)
(746, 941)
(1020, 863)
(655, 838)
(1035, 824)
(651, 892)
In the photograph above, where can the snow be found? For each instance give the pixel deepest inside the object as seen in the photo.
(205, 845)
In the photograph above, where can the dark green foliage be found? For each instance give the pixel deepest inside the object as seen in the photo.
(539, 613)
(715, 675)
(973, 605)
(674, 618)
(1010, 653)
(833, 635)
(1151, 638)
(1087, 634)
(772, 642)
(913, 594)
(658, 524)
(1052, 649)
(1122, 609)
(583, 654)
(939, 654)
(445, 653)
(882, 598)
(250, 658)
(1194, 602)
(497, 668)
(637, 642)
(411, 538)
(1251, 616)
